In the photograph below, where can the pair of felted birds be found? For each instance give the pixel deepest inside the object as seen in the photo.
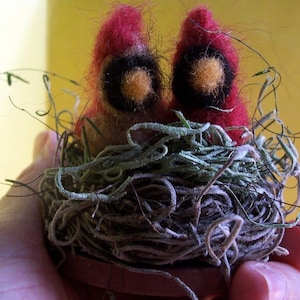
(126, 81)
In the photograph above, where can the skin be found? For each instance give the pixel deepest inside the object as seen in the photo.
(27, 272)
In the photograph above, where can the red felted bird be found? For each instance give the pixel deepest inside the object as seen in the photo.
(125, 80)
(204, 75)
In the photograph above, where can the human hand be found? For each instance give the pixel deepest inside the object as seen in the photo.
(27, 272)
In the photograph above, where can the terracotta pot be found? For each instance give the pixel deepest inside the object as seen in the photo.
(202, 281)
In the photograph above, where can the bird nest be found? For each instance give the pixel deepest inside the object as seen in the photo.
(187, 194)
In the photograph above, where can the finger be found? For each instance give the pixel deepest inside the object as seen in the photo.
(45, 146)
(291, 242)
(20, 208)
(265, 280)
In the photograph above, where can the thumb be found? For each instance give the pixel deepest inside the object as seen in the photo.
(45, 146)
(265, 281)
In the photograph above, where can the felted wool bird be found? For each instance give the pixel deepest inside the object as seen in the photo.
(204, 82)
(124, 79)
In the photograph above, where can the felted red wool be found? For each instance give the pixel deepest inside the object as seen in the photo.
(199, 31)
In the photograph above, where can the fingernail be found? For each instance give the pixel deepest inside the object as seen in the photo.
(275, 280)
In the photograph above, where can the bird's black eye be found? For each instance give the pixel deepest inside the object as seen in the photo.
(131, 82)
(202, 78)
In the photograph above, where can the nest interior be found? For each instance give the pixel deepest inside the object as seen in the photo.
(187, 194)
